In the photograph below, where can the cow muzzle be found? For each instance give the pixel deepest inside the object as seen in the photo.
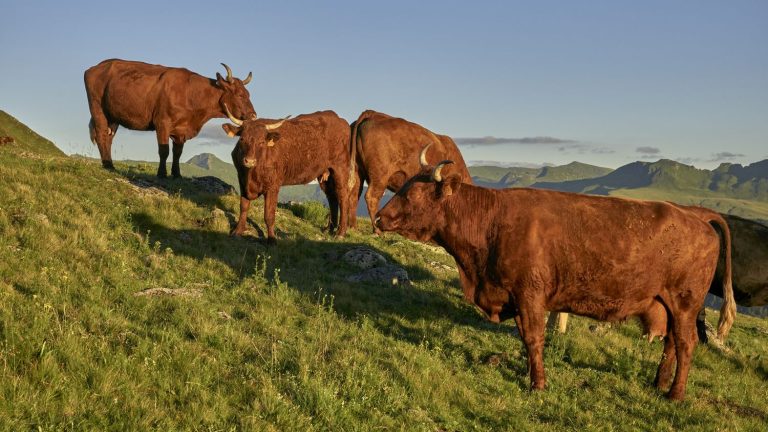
(249, 163)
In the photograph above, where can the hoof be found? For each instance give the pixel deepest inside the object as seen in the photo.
(271, 241)
(108, 165)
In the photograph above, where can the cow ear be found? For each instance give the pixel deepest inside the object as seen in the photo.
(221, 81)
(272, 138)
(231, 129)
(450, 185)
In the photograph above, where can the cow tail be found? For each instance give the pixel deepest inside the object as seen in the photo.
(92, 130)
(728, 310)
(353, 146)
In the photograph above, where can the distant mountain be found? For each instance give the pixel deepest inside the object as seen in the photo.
(728, 180)
(502, 177)
(730, 188)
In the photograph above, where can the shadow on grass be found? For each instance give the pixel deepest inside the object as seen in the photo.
(315, 268)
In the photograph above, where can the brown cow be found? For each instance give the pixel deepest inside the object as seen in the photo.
(521, 252)
(384, 148)
(290, 152)
(749, 261)
(173, 102)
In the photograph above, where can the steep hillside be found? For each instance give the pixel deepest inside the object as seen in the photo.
(24, 138)
(279, 338)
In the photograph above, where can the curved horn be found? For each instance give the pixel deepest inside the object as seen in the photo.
(274, 126)
(423, 156)
(436, 173)
(229, 72)
(248, 78)
(232, 118)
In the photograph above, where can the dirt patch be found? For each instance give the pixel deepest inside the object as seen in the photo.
(143, 187)
(6, 140)
(178, 292)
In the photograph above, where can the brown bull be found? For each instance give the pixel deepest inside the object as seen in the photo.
(384, 149)
(291, 152)
(173, 102)
(522, 252)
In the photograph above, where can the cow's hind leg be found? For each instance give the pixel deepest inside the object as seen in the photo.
(532, 332)
(178, 147)
(372, 197)
(667, 364)
(684, 328)
(270, 207)
(163, 150)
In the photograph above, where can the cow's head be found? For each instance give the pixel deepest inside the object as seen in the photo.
(257, 141)
(417, 209)
(235, 97)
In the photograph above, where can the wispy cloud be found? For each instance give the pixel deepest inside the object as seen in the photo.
(490, 140)
(648, 150)
(505, 164)
(213, 135)
(725, 156)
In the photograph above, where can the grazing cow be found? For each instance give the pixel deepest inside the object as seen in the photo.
(384, 147)
(522, 252)
(290, 152)
(173, 102)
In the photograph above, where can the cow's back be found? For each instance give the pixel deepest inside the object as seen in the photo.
(598, 249)
(310, 144)
(129, 91)
(390, 144)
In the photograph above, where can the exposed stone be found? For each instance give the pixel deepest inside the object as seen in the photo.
(364, 258)
(389, 274)
(213, 185)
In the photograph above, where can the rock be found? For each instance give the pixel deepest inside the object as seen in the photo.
(225, 316)
(364, 258)
(441, 266)
(600, 328)
(183, 292)
(388, 274)
(213, 185)
(216, 221)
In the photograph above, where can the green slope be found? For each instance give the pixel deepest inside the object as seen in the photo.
(499, 177)
(277, 339)
(25, 138)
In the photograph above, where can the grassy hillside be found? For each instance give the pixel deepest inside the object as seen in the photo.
(275, 338)
(25, 138)
(499, 177)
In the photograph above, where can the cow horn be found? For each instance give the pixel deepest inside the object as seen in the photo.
(423, 156)
(274, 126)
(229, 72)
(248, 78)
(436, 173)
(232, 118)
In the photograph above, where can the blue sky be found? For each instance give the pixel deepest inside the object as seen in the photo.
(611, 81)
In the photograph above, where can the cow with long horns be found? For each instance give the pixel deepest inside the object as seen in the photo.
(522, 252)
(383, 148)
(270, 154)
(173, 102)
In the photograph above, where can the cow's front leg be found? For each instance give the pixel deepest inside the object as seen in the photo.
(238, 230)
(178, 147)
(531, 322)
(270, 207)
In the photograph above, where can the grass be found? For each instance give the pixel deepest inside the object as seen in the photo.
(279, 340)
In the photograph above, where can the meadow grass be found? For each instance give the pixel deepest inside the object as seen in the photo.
(279, 340)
